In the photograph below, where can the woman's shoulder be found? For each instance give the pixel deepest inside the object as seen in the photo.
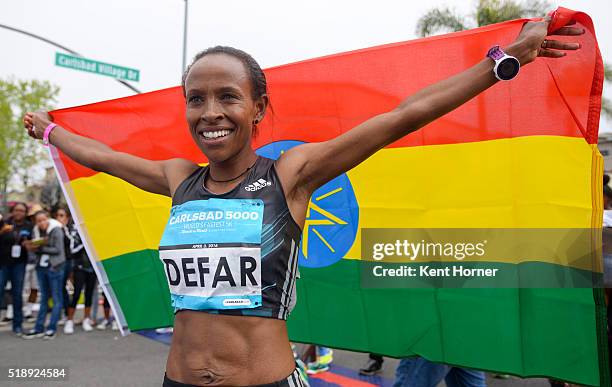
(178, 170)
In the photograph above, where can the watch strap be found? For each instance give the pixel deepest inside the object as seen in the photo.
(496, 53)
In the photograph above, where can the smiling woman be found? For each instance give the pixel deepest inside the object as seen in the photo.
(232, 278)
(225, 90)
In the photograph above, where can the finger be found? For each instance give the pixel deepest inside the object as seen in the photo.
(551, 53)
(569, 31)
(558, 45)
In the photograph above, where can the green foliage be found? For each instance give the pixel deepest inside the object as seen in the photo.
(496, 11)
(487, 12)
(490, 12)
(440, 19)
(18, 152)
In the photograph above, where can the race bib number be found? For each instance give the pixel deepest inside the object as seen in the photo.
(44, 260)
(211, 252)
(16, 251)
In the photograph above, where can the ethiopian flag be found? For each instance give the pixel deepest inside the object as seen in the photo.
(521, 155)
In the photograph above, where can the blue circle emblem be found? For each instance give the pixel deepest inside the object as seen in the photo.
(331, 219)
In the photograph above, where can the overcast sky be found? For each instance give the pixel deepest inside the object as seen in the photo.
(148, 35)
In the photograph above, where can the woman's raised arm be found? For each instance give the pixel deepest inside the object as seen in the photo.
(307, 167)
(160, 177)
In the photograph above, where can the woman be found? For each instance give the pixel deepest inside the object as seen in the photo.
(48, 244)
(13, 259)
(83, 275)
(62, 215)
(242, 339)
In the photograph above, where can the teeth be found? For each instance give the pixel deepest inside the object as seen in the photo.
(215, 134)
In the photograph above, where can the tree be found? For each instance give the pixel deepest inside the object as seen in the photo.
(489, 12)
(18, 152)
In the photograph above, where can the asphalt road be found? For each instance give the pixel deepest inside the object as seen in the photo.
(104, 358)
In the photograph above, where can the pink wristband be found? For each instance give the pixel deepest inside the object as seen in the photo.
(47, 132)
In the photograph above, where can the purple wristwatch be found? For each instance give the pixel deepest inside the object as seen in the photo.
(506, 66)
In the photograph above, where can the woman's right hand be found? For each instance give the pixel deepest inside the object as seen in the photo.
(36, 122)
(160, 177)
(30, 246)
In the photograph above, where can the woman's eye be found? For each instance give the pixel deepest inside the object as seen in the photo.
(228, 96)
(194, 99)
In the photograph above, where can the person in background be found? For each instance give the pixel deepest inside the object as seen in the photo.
(420, 372)
(62, 215)
(30, 287)
(317, 359)
(84, 277)
(14, 233)
(373, 366)
(48, 243)
(30, 283)
(102, 325)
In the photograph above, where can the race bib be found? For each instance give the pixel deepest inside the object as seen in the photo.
(211, 252)
(44, 260)
(16, 251)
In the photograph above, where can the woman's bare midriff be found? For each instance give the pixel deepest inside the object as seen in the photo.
(220, 350)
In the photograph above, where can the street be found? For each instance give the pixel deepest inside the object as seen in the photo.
(104, 358)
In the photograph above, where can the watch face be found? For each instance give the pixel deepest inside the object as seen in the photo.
(508, 68)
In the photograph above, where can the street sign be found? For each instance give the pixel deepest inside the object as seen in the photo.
(92, 66)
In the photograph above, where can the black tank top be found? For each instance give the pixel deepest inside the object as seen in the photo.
(225, 253)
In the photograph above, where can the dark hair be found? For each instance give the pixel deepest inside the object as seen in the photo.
(57, 209)
(18, 204)
(607, 191)
(40, 212)
(257, 76)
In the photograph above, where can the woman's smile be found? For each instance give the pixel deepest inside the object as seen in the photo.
(215, 135)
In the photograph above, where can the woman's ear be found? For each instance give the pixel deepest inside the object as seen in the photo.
(261, 105)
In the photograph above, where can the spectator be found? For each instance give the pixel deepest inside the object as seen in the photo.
(48, 243)
(30, 287)
(13, 258)
(317, 359)
(84, 278)
(102, 325)
(419, 372)
(373, 366)
(62, 215)
(30, 283)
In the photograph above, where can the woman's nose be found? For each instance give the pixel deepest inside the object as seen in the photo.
(212, 112)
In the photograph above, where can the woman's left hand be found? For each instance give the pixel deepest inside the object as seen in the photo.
(533, 41)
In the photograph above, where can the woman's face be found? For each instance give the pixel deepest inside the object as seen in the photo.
(62, 217)
(42, 221)
(18, 213)
(220, 108)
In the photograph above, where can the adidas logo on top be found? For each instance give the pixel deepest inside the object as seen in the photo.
(259, 184)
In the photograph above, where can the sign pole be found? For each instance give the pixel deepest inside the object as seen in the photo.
(63, 48)
(185, 37)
